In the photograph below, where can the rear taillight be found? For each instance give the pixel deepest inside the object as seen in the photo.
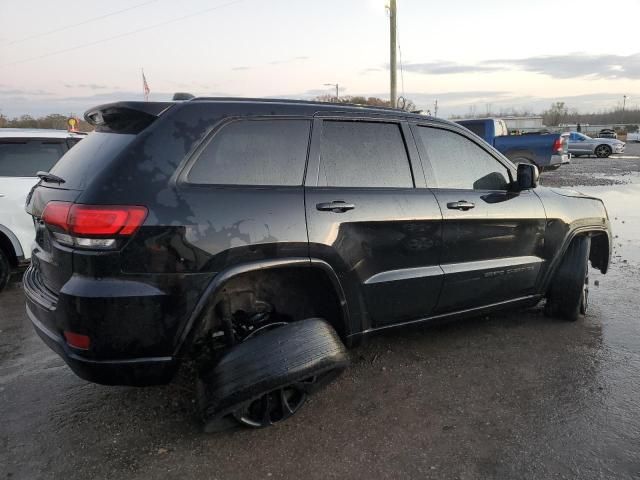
(558, 145)
(92, 226)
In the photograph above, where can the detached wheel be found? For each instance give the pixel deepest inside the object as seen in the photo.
(568, 295)
(603, 151)
(275, 407)
(268, 378)
(5, 270)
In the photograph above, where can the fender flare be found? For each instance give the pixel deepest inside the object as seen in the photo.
(567, 241)
(224, 276)
(15, 243)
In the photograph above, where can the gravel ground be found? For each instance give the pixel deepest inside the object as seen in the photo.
(593, 171)
(509, 396)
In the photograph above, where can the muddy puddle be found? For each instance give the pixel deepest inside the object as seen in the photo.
(623, 205)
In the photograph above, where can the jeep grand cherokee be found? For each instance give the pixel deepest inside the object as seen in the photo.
(262, 236)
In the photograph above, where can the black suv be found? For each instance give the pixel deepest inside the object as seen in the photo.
(258, 237)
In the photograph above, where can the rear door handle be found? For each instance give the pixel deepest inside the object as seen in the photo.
(337, 206)
(461, 205)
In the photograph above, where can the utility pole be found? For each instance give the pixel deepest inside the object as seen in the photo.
(392, 52)
(337, 89)
(435, 108)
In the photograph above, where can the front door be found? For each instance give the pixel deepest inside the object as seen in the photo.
(367, 219)
(492, 236)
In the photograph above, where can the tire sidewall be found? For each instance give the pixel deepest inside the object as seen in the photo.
(566, 293)
(609, 151)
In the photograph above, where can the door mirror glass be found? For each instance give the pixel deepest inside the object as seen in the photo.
(527, 176)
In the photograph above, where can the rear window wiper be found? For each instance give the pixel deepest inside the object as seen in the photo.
(50, 177)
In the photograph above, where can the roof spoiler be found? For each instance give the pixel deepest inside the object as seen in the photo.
(125, 117)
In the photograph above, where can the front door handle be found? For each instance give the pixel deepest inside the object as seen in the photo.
(337, 206)
(461, 205)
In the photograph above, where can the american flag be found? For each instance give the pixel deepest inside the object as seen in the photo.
(145, 87)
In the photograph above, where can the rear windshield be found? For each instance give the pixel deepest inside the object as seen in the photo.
(88, 158)
(26, 157)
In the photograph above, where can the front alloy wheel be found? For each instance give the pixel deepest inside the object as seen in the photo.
(603, 151)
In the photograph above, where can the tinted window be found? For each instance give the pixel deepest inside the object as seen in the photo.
(476, 127)
(89, 157)
(255, 152)
(457, 162)
(363, 154)
(23, 158)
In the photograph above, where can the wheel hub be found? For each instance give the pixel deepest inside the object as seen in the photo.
(276, 406)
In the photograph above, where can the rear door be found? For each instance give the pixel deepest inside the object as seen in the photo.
(492, 237)
(367, 219)
(20, 160)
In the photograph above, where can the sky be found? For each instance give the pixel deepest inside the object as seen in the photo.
(470, 56)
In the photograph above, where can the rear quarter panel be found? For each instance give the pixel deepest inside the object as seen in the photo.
(538, 148)
(569, 213)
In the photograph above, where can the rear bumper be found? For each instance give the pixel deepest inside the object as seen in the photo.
(559, 159)
(50, 315)
(134, 372)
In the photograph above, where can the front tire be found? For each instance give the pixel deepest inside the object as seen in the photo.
(603, 151)
(568, 295)
(5, 270)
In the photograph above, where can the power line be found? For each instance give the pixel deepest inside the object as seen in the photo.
(125, 34)
(84, 22)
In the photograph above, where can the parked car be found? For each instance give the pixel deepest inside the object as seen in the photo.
(607, 133)
(260, 237)
(23, 153)
(545, 150)
(633, 137)
(581, 144)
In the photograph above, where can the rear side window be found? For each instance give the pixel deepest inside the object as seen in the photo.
(476, 127)
(459, 163)
(254, 152)
(26, 157)
(363, 154)
(89, 157)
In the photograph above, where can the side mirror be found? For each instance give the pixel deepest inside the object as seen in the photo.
(528, 176)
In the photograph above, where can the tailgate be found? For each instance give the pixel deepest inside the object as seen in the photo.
(52, 262)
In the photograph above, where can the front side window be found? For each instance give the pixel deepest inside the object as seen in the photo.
(254, 152)
(26, 157)
(363, 154)
(459, 163)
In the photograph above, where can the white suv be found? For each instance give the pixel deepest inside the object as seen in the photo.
(23, 153)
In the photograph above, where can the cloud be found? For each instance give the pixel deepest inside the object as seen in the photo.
(575, 65)
(240, 68)
(565, 66)
(371, 69)
(90, 86)
(18, 91)
(447, 68)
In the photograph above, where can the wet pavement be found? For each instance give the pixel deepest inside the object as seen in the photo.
(510, 396)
